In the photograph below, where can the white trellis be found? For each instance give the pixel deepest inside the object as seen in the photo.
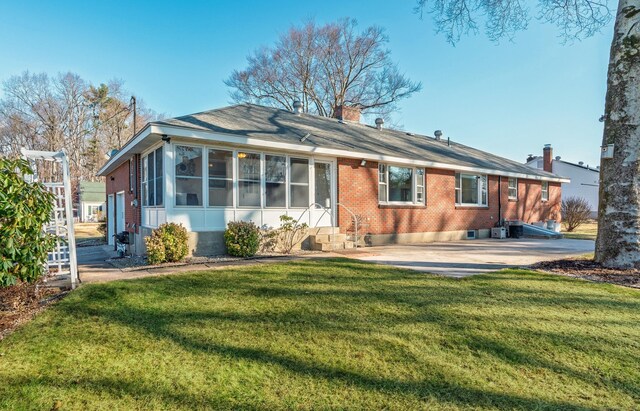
(52, 169)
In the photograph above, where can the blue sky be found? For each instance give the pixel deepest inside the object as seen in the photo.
(508, 98)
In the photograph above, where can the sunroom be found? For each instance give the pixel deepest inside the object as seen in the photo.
(205, 186)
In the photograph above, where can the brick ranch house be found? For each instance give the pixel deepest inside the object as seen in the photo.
(254, 163)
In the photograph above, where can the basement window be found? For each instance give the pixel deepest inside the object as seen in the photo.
(545, 191)
(513, 188)
(471, 190)
(400, 185)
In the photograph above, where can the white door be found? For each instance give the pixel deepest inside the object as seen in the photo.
(111, 218)
(119, 212)
(323, 195)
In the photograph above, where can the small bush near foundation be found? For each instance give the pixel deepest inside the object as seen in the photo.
(575, 212)
(167, 244)
(242, 238)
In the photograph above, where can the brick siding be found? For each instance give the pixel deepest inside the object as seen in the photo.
(118, 181)
(358, 190)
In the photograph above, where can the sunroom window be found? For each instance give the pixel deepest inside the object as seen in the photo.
(276, 181)
(513, 188)
(471, 189)
(188, 176)
(220, 178)
(299, 185)
(400, 184)
(152, 172)
(248, 179)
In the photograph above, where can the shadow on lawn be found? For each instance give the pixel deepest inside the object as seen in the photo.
(319, 309)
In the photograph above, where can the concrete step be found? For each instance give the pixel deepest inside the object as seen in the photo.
(333, 246)
(323, 230)
(328, 238)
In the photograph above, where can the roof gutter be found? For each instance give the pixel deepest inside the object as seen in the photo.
(183, 132)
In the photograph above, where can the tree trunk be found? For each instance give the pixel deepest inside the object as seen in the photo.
(618, 242)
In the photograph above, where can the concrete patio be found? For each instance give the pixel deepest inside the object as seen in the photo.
(463, 258)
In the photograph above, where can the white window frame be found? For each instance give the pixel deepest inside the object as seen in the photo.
(144, 186)
(383, 170)
(261, 179)
(514, 188)
(232, 178)
(204, 178)
(290, 183)
(483, 191)
(544, 195)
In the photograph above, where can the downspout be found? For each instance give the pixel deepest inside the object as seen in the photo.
(500, 200)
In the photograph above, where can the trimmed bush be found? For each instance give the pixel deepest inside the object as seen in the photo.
(168, 243)
(242, 238)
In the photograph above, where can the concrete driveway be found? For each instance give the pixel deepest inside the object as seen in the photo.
(463, 258)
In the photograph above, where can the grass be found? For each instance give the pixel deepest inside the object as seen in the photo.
(330, 334)
(586, 231)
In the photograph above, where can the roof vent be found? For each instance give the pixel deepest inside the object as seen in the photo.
(558, 158)
(438, 134)
(379, 123)
(297, 107)
(580, 163)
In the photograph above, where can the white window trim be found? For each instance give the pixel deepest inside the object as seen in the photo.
(414, 183)
(144, 185)
(203, 179)
(509, 188)
(543, 191)
(232, 178)
(458, 191)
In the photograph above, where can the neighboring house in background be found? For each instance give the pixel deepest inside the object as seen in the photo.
(584, 179)
(254, 163)
(91, 204)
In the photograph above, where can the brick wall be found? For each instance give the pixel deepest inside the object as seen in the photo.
(358, 190)
(118, 181)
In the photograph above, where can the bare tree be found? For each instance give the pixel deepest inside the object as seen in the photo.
(324, 67)
(618, 241)
(65, 112)
(575, 212)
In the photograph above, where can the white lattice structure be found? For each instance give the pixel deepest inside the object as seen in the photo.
(52, 169)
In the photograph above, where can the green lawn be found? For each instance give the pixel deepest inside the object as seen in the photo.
(586, 231)
(330, 334)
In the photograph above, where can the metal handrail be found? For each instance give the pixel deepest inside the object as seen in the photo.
(355, 219)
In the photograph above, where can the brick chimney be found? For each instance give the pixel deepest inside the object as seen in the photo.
(347, 113)
(547, 158)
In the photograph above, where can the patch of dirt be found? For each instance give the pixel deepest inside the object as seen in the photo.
(21, 302)
(592, 271)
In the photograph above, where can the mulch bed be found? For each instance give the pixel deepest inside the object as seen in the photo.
(592, 271)
(21, 302)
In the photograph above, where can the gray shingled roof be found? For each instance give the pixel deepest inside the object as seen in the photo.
(278, 125)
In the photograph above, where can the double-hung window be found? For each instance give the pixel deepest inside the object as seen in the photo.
(188, 183)
(220, 178)
(513, 188)
(398, 185)
(471, 189)
(545, 191)
(152, 172)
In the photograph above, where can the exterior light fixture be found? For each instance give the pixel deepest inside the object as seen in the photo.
(166, 138)
(363, 163)
(241, 154)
